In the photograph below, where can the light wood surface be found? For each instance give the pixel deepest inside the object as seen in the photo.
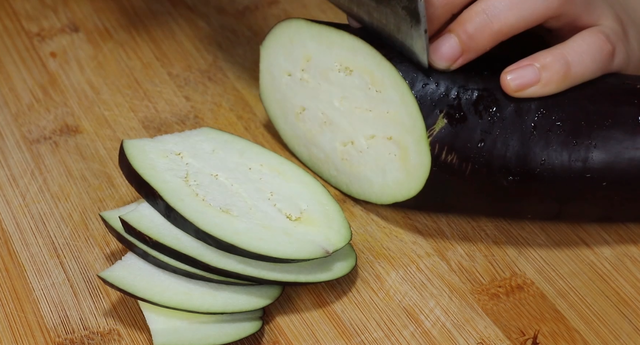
(76, 77)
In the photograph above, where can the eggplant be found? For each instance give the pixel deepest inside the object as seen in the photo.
(456, 142)
(172, 327)
(235, 195)
(112, 222)
(138, 279)
(149, 227)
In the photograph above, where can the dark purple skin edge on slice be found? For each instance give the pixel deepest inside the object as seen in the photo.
(151, 196)
(186, 259)
(128, 294)
(574, 155)
(193, 262)
(161, 264)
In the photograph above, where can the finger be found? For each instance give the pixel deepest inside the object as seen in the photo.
(585, 56)
(485, 24)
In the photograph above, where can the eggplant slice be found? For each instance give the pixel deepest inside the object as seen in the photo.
(135, 277)
(235, 195)
(172, 327)
(112, 222)
(149, 227)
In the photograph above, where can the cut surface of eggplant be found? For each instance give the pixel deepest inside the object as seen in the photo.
(236, 195)
(172, 327)
(143, 281)
(148, 226)
(571, 155)
(344, 111)
(111, 218)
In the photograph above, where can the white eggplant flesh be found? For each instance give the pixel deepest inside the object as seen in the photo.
(344, 110)
(172, 327)
(143, 281)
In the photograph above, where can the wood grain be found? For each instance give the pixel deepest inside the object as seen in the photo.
(76, 77)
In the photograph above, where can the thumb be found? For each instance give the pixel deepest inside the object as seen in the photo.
(353, 22)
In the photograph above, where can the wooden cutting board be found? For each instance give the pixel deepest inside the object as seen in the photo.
(76, 77)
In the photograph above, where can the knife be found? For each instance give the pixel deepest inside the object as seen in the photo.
(402, 22)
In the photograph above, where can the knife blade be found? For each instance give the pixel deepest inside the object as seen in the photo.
(402, 22)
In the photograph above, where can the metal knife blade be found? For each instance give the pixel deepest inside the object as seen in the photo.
(402, 22)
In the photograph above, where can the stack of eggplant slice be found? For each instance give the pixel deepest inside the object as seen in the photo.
(221, 226)
(383, 130)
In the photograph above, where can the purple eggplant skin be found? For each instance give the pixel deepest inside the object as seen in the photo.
(151, 196)
(572, 155)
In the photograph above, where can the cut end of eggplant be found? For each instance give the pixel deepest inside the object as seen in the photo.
(344, 110)
(236, 195)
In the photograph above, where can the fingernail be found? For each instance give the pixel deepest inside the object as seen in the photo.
(445, 51)
(353, 22)
(523, 77)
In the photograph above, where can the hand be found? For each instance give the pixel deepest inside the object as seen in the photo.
(595, 37)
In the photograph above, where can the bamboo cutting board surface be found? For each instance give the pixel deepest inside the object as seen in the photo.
(76, 77)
